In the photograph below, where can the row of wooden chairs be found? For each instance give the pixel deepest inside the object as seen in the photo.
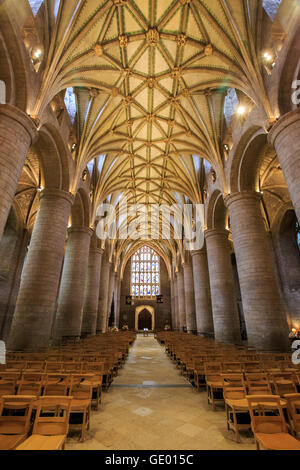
(251, 385)
(46, 419)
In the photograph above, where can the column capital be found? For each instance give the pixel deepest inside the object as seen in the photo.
(242, 195)
(80, 230)
(57, 193)
(94, 249)
(197, 252)
(22, 118)
(285, 121)
(215, 232)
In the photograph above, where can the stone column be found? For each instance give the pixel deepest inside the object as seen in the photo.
(175, 290)
(17, 133)
(111, 288)
(90, 308)
(204, 317)
(117, 295)
(71, 296)
(36, 303)
(285, 137)
(189, 296)
(181, 301)
(266, 323)
(173, 313)
(13, 249)
(224, 306)
(103, 296)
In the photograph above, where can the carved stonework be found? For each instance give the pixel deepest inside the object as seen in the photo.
(98, 49)
(119, 2)
(186, 92)
(150, 117)
(181, 40)
(126, 101)
(176, 72)
(152, 37)
(84, 174)
(114, 91)
(208, 51)
(171, 123)
(151, 82)
(185, 2)
(123, 41)
(213, 175)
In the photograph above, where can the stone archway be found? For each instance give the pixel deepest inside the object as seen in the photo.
(140, 310)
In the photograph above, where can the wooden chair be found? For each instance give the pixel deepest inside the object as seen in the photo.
(81, 404)
(49, 432)
(258, 384)
(293, 406)
(237, 412)
(55, 389)
(14, 429)
(268, 423)
(283, 382)
(7, 388)
(30, 388)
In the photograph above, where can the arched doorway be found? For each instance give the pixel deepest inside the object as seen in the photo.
(145, 320)
(144, 317)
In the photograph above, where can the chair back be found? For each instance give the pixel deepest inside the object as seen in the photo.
(266, 414)
(58, 422)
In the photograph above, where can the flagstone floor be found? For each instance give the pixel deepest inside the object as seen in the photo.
(150, 406)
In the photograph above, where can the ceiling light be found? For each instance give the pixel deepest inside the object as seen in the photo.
(267, 56)
(241, 110)
(37, 53)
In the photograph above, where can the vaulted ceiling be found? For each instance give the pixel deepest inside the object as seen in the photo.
(150, 78)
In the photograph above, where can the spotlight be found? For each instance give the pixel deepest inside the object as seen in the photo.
(267, 56)
(241, 110)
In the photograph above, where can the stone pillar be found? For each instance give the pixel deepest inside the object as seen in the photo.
(117, 295)
(90, 308)
(173, 313)
(224, 306)
(204, 317)
(189, 296)
(103, 296)
(17, 133)
(71, 296)
(111, 288)
(265, 319)
(175, 290)
(285, 137)
(181, 301)
(13, 249)
(36, 303)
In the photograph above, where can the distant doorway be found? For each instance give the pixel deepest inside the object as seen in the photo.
(144, 317)
(145, 320)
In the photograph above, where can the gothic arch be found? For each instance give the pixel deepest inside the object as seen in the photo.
(217, 216)
(139, 310)
(247, 158)
(54, 158)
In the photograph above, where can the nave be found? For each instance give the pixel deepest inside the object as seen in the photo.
(150, 406)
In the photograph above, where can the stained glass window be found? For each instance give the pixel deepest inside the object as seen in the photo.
(298, 234)
(271, 7)
(35, 6)
(145, 273)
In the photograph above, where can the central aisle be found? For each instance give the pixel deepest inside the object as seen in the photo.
(150, 406)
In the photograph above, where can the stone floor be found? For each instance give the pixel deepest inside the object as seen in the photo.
(150, 406)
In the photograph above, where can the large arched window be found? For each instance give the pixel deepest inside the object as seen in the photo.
(298, 234)
(145, 273)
